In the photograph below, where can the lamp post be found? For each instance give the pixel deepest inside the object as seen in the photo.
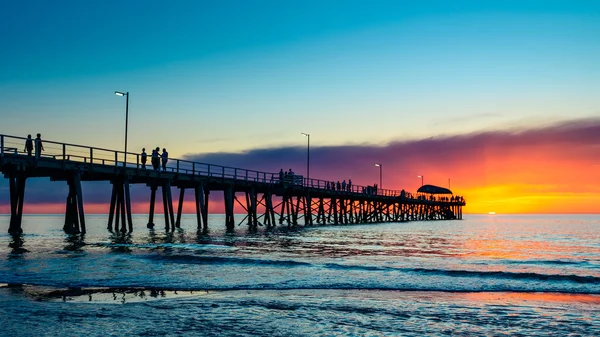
(126, 94)
(307, 135)
(421, 179)
(380, 175)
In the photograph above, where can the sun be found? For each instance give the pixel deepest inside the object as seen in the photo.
(492, 213)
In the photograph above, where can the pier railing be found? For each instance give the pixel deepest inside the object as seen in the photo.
(11, 145)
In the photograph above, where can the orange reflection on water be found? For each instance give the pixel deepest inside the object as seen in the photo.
(509, 249)
(533, 297)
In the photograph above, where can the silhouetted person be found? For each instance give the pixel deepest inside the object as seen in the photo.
(349, 185)
(338, 185)
(328, 185)
(28, 145)
(165, 159)
(155, 159)
(39, 147)
(344, 185)
(144, 158)
(281, 176)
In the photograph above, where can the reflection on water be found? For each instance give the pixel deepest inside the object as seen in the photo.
(74, 242)
(16, 244)
(103, 295)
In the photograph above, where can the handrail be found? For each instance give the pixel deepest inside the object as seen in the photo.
(91, 155)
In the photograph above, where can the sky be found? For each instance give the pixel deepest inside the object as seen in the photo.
(497, 96)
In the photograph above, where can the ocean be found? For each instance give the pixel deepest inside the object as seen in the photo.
(486, 275)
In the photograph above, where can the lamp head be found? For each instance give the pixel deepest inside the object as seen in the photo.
(118, 93)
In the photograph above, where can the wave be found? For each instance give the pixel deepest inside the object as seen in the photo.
(477, 274)
(513, 276)
(203, 259)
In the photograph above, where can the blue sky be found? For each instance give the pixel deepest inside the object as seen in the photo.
(237, 75)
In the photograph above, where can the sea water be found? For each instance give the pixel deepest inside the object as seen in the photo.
(486, 275)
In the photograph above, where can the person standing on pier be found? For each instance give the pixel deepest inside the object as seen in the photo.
(349, 185)
(39, 147)
(28, 145)
(144, 158)
(165, 159)
(281, 175)
(155, 160)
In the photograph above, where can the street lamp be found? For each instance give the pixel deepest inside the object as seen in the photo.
(380, 180)
(421, 179)
(307, 157)
(118, 93)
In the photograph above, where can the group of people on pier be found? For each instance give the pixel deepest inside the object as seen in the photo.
(339, 186)
(454, 198)
(156, 158)
(36, 143)
(289, 177)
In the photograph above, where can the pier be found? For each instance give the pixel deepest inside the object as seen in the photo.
(267, 199)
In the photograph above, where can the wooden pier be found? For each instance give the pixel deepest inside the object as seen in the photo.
(267, 198)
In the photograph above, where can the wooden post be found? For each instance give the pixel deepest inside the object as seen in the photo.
(165, 206)
(17, 194)
(283, 204)
(152, 201)
(79, 197)
(309, 209)
(180, 207)
(118, 208)
(269, 211)
(200, 207)
(13, 201)
(249, 210)
(295, 211)
(170, 204)
(228, 198)
(111, 212)
(321, 212)
(123, 211)
(21, 191)
(335, 211)
(128, 204)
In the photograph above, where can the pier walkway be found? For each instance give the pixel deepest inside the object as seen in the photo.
(266, 199)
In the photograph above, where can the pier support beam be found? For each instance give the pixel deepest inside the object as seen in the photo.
(153, 189)
(180, 207)
(168, 206)
(201, 207)
(74, 214)
(17, 194)
(128, 205)
(120, 206)
(229, 219)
